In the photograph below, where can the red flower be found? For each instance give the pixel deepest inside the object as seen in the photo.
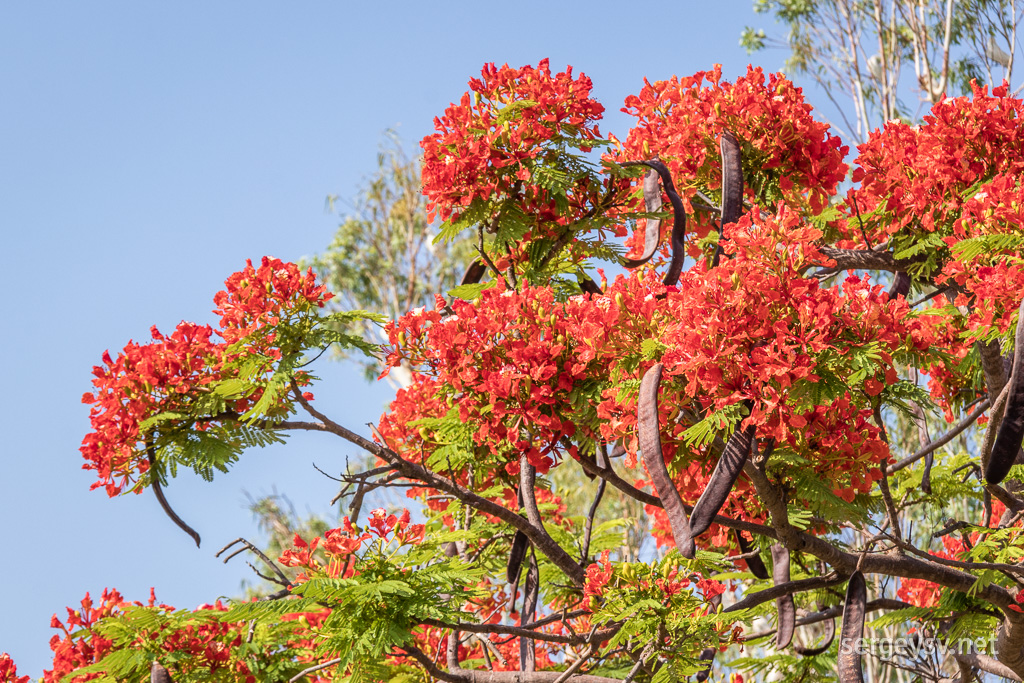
(9, 671)
(598, 577)
(487, 146)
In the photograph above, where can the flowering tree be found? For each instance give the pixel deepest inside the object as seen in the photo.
(770, 379)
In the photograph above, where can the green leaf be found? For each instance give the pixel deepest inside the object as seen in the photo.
(471, 291)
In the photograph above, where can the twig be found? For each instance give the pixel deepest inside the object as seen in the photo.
(942, 440)
(1013, 568)
(589, 524)
(311, 669)
(591, 649)
(786, 588)
(539, 537)
(929, 297)
(258, 552)
(883, 481)
(639, 662)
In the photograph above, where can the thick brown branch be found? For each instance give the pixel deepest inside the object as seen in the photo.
(878, 258)
(986, 664)
(890, 565)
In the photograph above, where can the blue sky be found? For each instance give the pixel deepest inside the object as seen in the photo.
(146, 150)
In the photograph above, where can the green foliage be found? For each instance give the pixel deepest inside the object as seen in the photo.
(724, 421)
(142, 635)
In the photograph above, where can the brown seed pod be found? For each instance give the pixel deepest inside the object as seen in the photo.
(158, 674)
(732, 186)
(650, 448)
(1011, 429)
(900, 286)
(853, 630)
(675, 268)
(754, 562)
(727, 469)
(168, 510)
(515, 556)
(784, 604)
(826, 642)
(474, 273)
(652, 233)
(589, 286)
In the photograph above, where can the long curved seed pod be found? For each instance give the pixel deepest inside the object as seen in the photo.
(853, 630)
(158, 674)
(785, 605)
(515, 556)
(727, 469)
(474, 273)
(520, 543)
(826, 642)
(732, 186)
(678, 222)
(1011, 430)
(650, 448)
(652, 233)
(158, 490)
(924, 440)
(754, 562)
(900, 285)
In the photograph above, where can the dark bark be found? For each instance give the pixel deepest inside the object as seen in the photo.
(853, 630)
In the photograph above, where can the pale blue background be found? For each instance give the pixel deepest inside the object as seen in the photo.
(146, 150)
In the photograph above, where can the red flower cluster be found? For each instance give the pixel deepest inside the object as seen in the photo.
(489, 144)
(9, 670)
(340, 545)
(169, 373)
(508, 363)
(598, 576)
(513, 363)
(754, 330)
(206, 647)
(259, 299)
(80, 646)
(680, 121)
(144, 380)
(918, 177)
(994, 279)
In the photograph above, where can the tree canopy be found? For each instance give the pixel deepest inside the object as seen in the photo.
(807, 376)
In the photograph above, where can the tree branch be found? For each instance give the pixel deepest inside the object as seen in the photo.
(539, 537)
(472, 676)
(942, 440)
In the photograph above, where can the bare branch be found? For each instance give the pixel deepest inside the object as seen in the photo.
(942, 440)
